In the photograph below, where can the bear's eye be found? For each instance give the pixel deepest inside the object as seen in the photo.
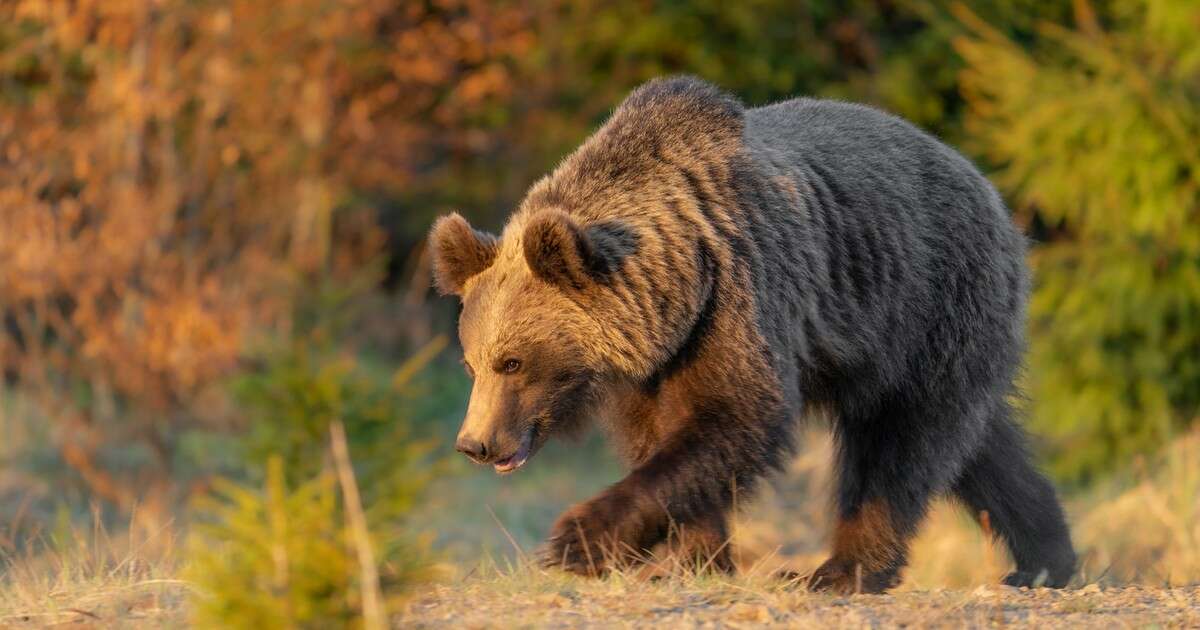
(510, 366)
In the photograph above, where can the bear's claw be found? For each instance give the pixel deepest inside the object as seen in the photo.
(572, 551)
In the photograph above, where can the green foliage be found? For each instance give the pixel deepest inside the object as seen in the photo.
(286, 555)
(273, 558)
(1098, 134)
(291, 403)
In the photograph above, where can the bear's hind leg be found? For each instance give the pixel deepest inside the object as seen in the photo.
(1021, 507)
(891, 462)
(869, 549)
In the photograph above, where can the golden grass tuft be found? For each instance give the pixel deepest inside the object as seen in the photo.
(1149, 533)
(1143, 531)
(93, 579)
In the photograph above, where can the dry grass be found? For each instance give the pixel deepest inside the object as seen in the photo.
(1139, 538)
(528, 597)
(1149, 533)
(92, 579)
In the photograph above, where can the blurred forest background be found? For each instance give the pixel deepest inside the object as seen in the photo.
(212, 216)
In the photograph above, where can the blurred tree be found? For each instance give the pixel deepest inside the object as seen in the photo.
(174, 173)
(579, 58)
(294, 554)
(1097, 132)
(177, 175)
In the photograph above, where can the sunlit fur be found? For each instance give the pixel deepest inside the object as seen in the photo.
(703, 273)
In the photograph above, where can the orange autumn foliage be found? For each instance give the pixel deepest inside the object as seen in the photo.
(172, 172)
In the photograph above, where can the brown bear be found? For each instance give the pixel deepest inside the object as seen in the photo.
(698, 274)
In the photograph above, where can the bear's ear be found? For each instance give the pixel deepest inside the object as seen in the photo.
(459, 252)
(560, 252)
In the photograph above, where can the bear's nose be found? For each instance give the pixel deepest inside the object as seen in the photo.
(471, 448)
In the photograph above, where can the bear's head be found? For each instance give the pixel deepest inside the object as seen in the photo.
(534, 351)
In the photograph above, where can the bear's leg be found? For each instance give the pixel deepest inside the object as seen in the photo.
(688, 486)
(870, 547)
(1021, 507)
(890, 463)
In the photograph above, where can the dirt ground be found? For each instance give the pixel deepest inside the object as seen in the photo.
(528, 599)
(485, 605)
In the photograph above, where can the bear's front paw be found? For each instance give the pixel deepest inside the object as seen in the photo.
(590, 539)
(575, 546)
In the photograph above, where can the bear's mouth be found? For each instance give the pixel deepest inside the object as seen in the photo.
(516, 460)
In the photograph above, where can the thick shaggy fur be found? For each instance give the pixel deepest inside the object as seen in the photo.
(698, 274)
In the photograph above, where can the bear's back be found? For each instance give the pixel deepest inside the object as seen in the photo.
(872, 155)
(868, 173)
(908, 240)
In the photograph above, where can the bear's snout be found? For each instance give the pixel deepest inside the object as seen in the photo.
(472, 448)
(497, 451)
